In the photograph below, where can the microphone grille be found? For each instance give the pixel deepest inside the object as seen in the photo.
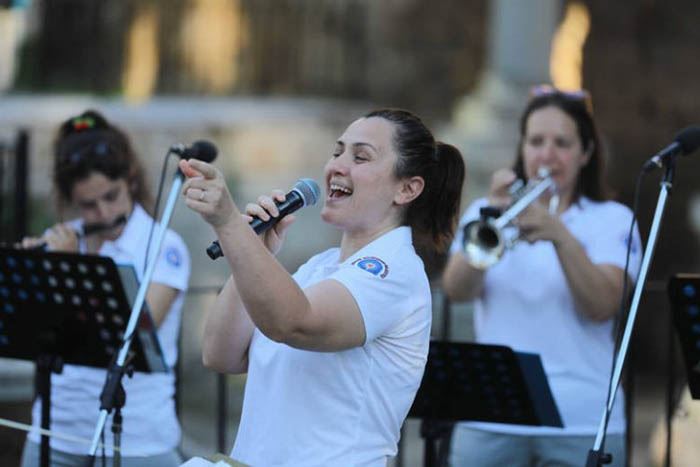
(204, 150)
(689, 139)
(309, 190)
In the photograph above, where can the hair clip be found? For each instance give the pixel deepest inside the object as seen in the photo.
(83, 123)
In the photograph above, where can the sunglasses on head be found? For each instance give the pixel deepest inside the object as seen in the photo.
(542, 90)
(100, 149)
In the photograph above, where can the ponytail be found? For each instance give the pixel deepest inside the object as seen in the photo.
(434, 214)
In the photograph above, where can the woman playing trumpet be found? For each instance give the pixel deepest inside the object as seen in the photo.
(555, 294)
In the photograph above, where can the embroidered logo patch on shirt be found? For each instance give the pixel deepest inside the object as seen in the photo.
(172, 256)
(373, 265)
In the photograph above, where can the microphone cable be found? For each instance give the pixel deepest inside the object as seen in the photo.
(623, 311)
(159, 193)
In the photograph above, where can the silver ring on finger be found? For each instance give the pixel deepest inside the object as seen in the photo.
(202, 194)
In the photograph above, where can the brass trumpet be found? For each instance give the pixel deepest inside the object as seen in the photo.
(484, 238)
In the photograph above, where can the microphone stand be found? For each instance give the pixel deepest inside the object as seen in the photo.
(597, 456)
(113, 396)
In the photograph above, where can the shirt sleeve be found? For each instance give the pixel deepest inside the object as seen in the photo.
(301, 275)
(610, 246)
(173, 267)
(386, 295)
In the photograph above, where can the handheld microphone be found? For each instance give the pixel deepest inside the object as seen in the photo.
(685, 142)
(304, 193)
(203, 150)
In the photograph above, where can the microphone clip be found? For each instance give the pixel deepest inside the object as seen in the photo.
(202, 150)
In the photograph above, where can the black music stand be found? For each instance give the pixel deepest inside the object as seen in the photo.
(684, 294)
(58, 308)
(478, 382)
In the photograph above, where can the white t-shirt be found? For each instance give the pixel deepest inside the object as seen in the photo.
(150, 426)
(304, 408)
(526, 304)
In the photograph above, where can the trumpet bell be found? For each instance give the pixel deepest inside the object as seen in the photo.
(484, 241)
(483, 244)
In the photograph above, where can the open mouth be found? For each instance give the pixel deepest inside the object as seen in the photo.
(338, 191)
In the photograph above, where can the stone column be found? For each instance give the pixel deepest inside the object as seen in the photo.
(485, 122)
(12, 29)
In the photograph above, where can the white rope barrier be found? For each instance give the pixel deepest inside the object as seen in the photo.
(75, 439)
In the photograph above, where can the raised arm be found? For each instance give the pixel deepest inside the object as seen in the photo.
(322, 317)
(596, 288)
(461, 281)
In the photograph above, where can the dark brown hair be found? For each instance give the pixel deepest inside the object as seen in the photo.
(433, 215)
(591, 179)
(88, 143)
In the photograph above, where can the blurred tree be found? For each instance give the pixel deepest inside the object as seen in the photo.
(414, 54)
(78, 46)
(648, 47)
(142, 54)
(404, 53)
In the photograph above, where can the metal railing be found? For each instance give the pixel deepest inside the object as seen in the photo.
(14, 186)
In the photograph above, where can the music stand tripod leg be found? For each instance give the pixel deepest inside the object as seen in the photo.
(113, 397)
(45, 365)
(435, 434)
(117, 432)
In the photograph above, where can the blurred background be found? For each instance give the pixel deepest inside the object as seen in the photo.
(274, 82)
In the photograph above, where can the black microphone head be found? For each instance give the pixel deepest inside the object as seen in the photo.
(689, 139)
(203, 150)
(309, 190)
